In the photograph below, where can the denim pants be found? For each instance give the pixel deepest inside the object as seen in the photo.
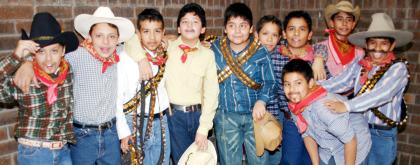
(96, 146)
(182, 127)
(293, 149)
(384, 146)
(41, 156)
(152, 146)
(233, 130)
(274, 157)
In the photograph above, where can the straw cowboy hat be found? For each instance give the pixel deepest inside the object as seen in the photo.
(268, 134)
(45, 30)
(381, 26)
(193, 156)
(342, 6)
(83, 22)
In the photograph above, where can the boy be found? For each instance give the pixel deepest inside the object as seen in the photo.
(151, 30)
(379, 82)
(246, 82)
(95, 86)
(45, 115)
(333, 138)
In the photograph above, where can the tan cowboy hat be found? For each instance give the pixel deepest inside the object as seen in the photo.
(83, 22)
(381, 26)
(268, 134)
(342, 6)
(193, 156)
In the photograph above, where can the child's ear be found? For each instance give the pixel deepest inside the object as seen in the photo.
(251, 30)
(310, 35)
(311, 83)
(330, 24)
(203, 30)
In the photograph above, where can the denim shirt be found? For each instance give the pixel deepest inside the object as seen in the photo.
(235, 96)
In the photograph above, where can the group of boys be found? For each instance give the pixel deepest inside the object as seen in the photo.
(161, 95)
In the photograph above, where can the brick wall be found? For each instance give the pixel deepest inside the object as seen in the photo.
(17, 14)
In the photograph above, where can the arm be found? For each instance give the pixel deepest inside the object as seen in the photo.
(344, 81)
(312, 148)
(350, 149)
(8, 65)
(266, 93)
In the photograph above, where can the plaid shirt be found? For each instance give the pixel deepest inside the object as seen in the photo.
(37, 119)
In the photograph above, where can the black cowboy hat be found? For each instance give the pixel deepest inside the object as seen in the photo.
(45, 30)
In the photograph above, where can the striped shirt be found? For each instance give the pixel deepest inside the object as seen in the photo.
(331, 131)
(386, 95)
(36, 119)
(235, 96)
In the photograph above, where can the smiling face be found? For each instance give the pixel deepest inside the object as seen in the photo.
(296, 87)
(377, 48)
(343, 23)
(238, 31)
(190, 28)
(269, 35)
(49, 57)
(297, 33)
(151, 34)
(104, 38)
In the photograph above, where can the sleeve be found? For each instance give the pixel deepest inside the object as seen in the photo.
(133, 49)
(266, 93)
(123, 129)
(344, 81)
(393, 82)
(321, 50)
(8, 66)
(210, 97)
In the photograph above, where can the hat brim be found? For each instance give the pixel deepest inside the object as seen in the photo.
(401, 37)
(259, 143)
(83, 22)
(68, 39)
(194, 148)
(330, 10)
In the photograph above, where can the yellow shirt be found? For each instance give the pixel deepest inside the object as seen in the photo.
(189, 83)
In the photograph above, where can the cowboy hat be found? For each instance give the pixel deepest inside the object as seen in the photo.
(381, 26)
(267, 132)
(83, 23)
(45, 30)
(193, 156)
(342, 6)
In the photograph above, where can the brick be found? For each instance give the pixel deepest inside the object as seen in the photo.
(412, 88)
(46, 2)
(415, 160)
(8, 117)
(26, 25)
(11, 130)
(412, 129)
(3, 133)
(8, 43)
(404, 159)
(418, 99)
(170, 12)
(7, 27)
(414, 139)
(123, 12)
(402, 137)
(414, 109)
(84, 10)
(57, 11)
(8, 147)
(15, 12)
(6, 160)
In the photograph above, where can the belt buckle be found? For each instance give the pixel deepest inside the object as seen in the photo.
(56, 145)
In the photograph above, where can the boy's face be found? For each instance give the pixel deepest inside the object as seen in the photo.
(104, 39)
(343, 23)
(238, 30)
(377, 48)
(190, 27)
(151, 34)
(49, 57)
(296, 87)
(297, 33)
(269, 35)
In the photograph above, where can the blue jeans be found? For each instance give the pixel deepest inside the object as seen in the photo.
(384, 147)
(153, 145)
(293, 149)
(233, 130)
(96, 146)
(274, 157)
(182, 127)
(42, 156)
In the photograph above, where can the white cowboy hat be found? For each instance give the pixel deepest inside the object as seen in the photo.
(83, 22)
(342, 6)
(267, 133)
(381, 26)
(193, 156)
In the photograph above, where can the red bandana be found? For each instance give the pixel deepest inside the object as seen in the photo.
(160, 56)
(367, 65)
(297, 108)
(309, 55)
(105, 61)
(52, 84)
(186, 49)
(345, 51)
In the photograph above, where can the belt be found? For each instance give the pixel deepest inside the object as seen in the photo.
(52, 145)
(190, 108)
(380, 127)
(155, 116)
(101, 126)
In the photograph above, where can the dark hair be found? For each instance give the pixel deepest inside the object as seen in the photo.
(298, 14)
(391, 40)
(238, 10)
(333, 16)
(268, 19)
(192, 8)
(299, 66)
(109, 24)
(149, 14)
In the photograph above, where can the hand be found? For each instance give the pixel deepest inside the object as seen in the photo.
(319, 68)
(25, 47)
(206, 44)
(259, 110)
(24, 76)
(145, 69)
(124, 144)
(201, 141)
(336, 106)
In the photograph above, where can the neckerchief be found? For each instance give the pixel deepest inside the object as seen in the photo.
(308, 55)
(48, 81)
(297, 108)
(344, 52)
(160, 57)
(367, 65)
(186, 49)
(105, 61)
